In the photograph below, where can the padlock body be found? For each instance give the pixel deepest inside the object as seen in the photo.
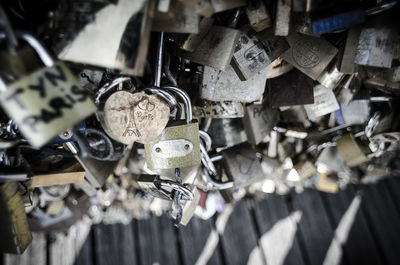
(46, 103)
(178, 146)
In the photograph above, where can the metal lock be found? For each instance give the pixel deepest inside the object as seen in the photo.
(226, 85)
(129, 117)
(274, 46)
(47, 102)
(259, 121)
(219, 110)
(14, 228)
(357, 112)
(324, 102)
(188, 206)
(178, 144)
(352, 152)
(126, 23)
(258, 15)
(347, 65)
(331, 77)
(162, 188)
(249, 57)
(293, 88)
(227, 132)
(282, 17)
(301, 23)
(376, 44)
(178, 18)
(242, 165)
(191, 42)
(215, 50)
(309, 54)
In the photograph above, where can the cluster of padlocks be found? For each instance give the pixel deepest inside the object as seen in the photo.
(119, 109)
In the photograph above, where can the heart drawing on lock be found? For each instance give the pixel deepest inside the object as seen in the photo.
(130, 117)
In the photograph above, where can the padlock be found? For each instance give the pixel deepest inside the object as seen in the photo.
(188, 206)
(129, 117)
(227, 132)
(282, 17)
(192, 41)
(215, 50)
(249, 57)
(179, 18)
(47, 101)
(258, 15)
(226, 86)
(274, 46)
(293, 88)
(126, 23)
(242, 165)
(352, 151)
(309, 54)
(259, 121)
(14, 228)
(347, 65)
(376, 44)
(324, 102)
(331, 77)
(330, 161)
(219, 109)
(357, 112)
(161, 188)
(178, 144)
(351, 85)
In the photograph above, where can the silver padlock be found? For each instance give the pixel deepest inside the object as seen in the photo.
(215, 50)
(178, 144)
(227, 132)
(282, 17)
(226, 85)
(242, 165)
(324, 102)
(347, 65)
(249, 56)
(259, 121)
(309, 54)
(219, 109)
(258, 15)
(376, 44)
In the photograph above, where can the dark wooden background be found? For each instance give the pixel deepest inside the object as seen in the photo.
(359, 225)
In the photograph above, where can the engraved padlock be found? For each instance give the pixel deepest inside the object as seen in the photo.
(48, 101)
(128, 117)
(178, 144)
(242, 165)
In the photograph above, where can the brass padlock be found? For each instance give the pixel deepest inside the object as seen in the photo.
(47, 102)
(14, 228)
(178, 144)
(352, 152)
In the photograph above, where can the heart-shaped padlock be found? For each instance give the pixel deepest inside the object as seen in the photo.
(129, 117)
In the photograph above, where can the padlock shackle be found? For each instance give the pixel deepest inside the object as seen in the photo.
(171, 100)
(41, 51)
(216, 185)
(6, 25)
(108, 86)
(186, 101)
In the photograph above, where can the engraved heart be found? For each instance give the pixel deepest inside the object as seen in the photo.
(134, 117)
